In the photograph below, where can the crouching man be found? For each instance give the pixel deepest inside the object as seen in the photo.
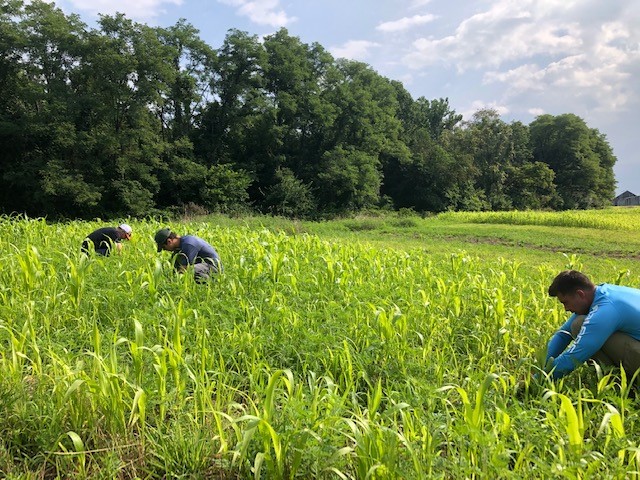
(605, 325)
(106, 239)
(189, 250)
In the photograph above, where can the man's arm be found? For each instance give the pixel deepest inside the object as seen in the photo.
(560, 340)
(600, 323)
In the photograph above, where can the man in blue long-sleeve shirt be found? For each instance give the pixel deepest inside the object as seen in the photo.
(605, 325)
(189, 250)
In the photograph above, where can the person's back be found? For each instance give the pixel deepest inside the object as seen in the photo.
(198, 250)
(622, 305)
(102, 239)
(199, 253)
(105, 238)
(189, 250)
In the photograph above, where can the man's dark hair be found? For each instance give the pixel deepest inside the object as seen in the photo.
(568, 282)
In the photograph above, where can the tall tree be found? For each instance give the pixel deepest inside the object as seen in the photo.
(189, 75)
(424, 178)
(486, 139)
(580, 157)
(365, 131)
(294, 76)
(42, 170)
(235, 128)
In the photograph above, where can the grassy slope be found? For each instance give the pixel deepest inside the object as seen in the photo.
(602, 251)
(411, 313)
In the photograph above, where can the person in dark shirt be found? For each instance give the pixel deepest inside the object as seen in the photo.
(104, 239)
(189, 250)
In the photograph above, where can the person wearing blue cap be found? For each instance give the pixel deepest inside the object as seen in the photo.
(189, 250)
(104, 239)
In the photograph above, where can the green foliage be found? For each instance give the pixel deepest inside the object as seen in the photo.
(128, 119)
(580, 157)
(348, 180)
(531, 186)
(311, 356)
(224, 187)
(289, 196)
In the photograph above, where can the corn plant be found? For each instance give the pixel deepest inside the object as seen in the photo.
(314, 355)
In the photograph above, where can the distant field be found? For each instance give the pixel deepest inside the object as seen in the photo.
(613, 218)
(374, 347)
(538, 237)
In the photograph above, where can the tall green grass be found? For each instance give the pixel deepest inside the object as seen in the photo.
(307, 358)
(612, 218)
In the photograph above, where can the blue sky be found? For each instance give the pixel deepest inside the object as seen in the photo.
(521, 57)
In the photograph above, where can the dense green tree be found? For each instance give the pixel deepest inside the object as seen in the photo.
(118, 84)
(435, 116)
(427, 180)
(365, 129)
(43, 170)
(485, 138)
(580, 157)
(238, 99)
(236, 126)
(348, 180)
(224, 187)
(295, 75)
(531, 186)
(289, 196)
(463, 192)
(188, 77)
(366, 103)
(424, 176)
(126, 119)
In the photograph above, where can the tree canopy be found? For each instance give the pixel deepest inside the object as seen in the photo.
(127, 119)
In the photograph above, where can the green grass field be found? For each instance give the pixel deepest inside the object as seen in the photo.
(376, 347)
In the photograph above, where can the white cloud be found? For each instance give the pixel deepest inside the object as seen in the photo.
(354, 49)
(524, 77)
(262, 12)
(406, 79)
(536, 111)
(405, 23)
(604, 74)
(139, 9)
(490, 40)
(613, 31)
(481, 105)
(561, 50)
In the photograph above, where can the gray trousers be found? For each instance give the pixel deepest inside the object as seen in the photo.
(202, 271)
(619, 349)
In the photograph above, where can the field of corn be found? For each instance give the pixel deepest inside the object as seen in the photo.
(368, 348)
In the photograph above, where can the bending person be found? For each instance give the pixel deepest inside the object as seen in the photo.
(105, 238)
(189, 250)
(605, 325)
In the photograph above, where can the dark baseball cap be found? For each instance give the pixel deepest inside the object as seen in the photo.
(161, 237)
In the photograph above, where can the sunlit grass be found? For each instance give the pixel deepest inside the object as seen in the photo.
(612, 218)
(311, 356)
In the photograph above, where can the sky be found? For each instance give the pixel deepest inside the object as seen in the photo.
(523, 58)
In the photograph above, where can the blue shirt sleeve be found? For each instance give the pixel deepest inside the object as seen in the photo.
(560, 339)
(596, 329)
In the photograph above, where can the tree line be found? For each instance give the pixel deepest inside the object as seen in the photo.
(127, 119)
